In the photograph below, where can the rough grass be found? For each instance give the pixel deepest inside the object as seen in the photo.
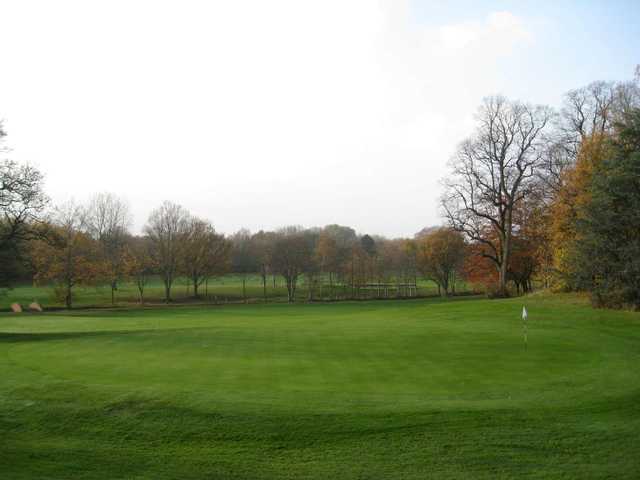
(399, 389)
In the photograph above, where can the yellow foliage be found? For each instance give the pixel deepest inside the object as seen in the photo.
(574, 194)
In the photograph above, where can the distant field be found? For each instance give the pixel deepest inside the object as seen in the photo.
(221, 290)
(353, 390)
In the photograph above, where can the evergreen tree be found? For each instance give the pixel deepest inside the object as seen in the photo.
(607, 257)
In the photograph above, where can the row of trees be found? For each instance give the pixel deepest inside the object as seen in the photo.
(532, 194)
(336, 255)
(596, 224)
(527, 186)
(90, 245)
(71, 245)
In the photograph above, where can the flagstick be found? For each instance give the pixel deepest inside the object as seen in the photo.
(524, 325)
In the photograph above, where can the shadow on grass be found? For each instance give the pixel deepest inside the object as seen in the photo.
(172, 441)
(52, 336)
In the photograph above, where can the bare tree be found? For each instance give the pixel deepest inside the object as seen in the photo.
(494, 170)
(334, 252)
(22, 200)
(593, 110)
(141, 264)
(327, 258)
(587, 111)
(292, 256)
(627, 97)
(166, 229)
(108, 222)
(206, 253)
(22, 206)
(556, 160)
(262, 245)
(243, 259)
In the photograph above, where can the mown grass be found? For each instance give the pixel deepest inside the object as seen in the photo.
(399, 389)
(224, 289)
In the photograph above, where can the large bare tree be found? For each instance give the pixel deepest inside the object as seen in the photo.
(492, 171)
(593, 110)
(166, 228)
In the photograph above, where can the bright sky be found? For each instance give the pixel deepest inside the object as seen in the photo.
(260, 113)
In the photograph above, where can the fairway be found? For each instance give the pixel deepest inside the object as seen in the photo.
(382, 389)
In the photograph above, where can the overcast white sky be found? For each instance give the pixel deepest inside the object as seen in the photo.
(259, 114)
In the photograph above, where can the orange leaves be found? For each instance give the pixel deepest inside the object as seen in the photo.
(573, 196)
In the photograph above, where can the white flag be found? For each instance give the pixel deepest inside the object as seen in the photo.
(524, 313)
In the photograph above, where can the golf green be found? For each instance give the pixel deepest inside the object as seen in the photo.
(383, 389)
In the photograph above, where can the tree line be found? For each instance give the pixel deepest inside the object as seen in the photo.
(533, 195)
(73, 245)
(553, 196)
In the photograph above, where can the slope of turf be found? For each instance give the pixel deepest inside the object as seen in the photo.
(394, 389)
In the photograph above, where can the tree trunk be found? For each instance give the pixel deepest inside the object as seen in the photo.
(502, 279)
(506, 252)
(264, 287)
(67, 297)
(290, 289)
(167, 291)
(332, 294)
(293, 290)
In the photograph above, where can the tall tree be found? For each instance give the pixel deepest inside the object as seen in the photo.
(292, 256)
(141, 265)
(243, 258)
(205, 252)
(569, 202)
(108, 221)
(587, 112)
(606, 258)
(22, 205)
(342, 240)
(440, 255)
(492, 172)
(327, 257)
(166, 229)
(262, 245)
(68, 256)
